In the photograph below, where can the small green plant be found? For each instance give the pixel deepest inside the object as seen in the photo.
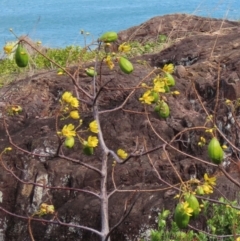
(223, 219)
(173, 233)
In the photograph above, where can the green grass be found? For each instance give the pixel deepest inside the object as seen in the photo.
(71, 55)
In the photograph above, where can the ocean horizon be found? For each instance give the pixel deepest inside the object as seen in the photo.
(58, 23)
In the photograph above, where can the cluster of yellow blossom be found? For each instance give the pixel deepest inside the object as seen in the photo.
(186, 209)
(202, 141)
(68, 98)
(161, 84)
(109, 62)
(122, 154)
(69, 131)
(207, 186)
(124, 47)
(111, 56)
(45, 209)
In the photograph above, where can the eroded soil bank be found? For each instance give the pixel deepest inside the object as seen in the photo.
(206, 52)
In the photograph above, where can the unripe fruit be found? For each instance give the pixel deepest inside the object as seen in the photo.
(215, 151)
(193, 203)
(69, 142)
(170, 79)
(180, 217)
(125, 65)
(87, 150)
(199, 191)
(21, 56)
(155, 96)
(90, 72)
(109, 37)
(164, 110)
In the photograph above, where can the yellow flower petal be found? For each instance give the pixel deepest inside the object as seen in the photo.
(67, 97)
(68, 130)
(93, 126)
(122, 154)
(74, 102)
(169, 68)
(74, 114)
(92, 141)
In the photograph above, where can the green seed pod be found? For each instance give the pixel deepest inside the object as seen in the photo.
(90, 72)
(157, 108)
(109, 37)
(193, 203)
(167, 89)
(87, 150)
(21, 56)
(170, 79)
(180, 217)
(125, 65)
(199, 191)
(164, 110)
(155, 96)
(69, 142)
(215, 151)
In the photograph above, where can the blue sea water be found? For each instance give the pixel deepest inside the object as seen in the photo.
(57, 23)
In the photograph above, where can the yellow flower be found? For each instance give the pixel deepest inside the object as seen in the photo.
(74, 114)
(187, 210)
(16, 108)
(122, 154)
(124, 48)
(209, 180)
(159, 86)
(224, 147)
(10, 47)
(94, 126)
(147, 98)
(7, 49)
(175, 92)
(228, 102)
(169, 68)
(68, 130)
(109, 62)
(46, 209)
(202, 139)
(92, 141)
(67, 97)
(207, 188)
(238, 239)
(74, 102)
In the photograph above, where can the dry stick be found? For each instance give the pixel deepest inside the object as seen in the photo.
(30, 153)
(125, 101)
(123, 218)
(219, 131)
(142, 190)
(65, 70)
(212, 235)
(62, 156)
(217, 96)
(158, 174)
(30, 229)
(229, 177)
(217, 36)
(174, 148)
(186, 130)
(15, 145)
(45, 186)
(169, 160)
(51, 222)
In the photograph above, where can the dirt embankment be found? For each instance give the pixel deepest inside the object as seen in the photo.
(206, 53)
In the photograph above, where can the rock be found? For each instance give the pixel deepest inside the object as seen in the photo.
(200, 61)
